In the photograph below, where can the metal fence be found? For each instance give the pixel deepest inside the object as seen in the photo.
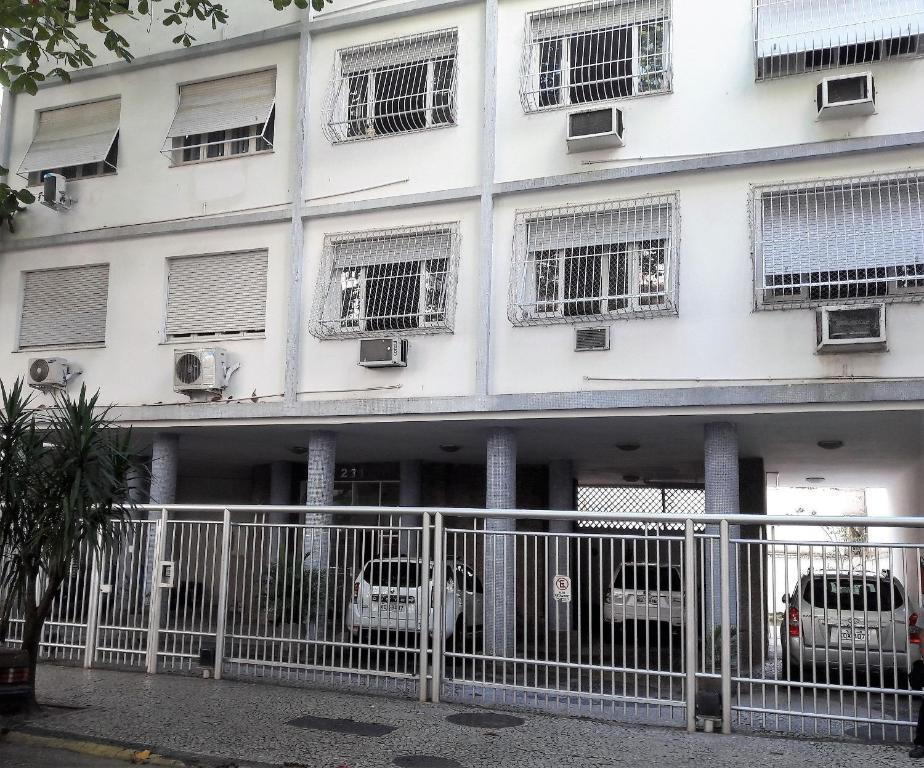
(800, 625)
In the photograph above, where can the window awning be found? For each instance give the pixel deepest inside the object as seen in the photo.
(798, 26)
(586, 17)
(223, 104)
(396, 52)
(70, 136)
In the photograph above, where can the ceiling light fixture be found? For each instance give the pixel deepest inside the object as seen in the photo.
(830, 445)
(628, 446)
(450, 448)
(814, 479)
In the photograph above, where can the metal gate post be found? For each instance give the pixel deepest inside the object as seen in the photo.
(89, 651)
(223, 578)
(725, 595)
(439, 588)
(423, 554)
(160, 535)
(690, 628)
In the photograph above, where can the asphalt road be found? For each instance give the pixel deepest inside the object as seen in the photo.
(20, 756)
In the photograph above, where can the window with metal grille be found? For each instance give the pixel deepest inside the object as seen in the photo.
(595, 51)
(592, 262)
(395, 86)
(640, 500)
(78, 142)
(386, 281)
(792, 36)
(64, 307)
(216, 295)
(840, 240)
(224, 118)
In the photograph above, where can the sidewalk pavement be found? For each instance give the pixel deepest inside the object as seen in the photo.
(243, 723)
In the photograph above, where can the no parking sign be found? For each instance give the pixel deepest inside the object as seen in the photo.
(561, 588)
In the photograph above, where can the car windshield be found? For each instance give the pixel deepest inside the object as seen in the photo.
(648, 577)
(392, 573)
(853, 593)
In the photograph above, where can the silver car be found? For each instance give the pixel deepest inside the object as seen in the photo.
(643, 592)
(387, 595)
(849, 620)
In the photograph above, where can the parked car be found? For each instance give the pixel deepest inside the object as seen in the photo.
(387, 594)
(643, 593)
(849, 620)
(14, 679)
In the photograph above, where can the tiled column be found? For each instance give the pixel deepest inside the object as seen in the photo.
(164, 468)
(558, 554)
(500, 551)
(722, 498)
(322, 448)
(408, 542)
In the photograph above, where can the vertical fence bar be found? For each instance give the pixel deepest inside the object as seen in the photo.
(89, 650)
(439, 577)
(690, 628)
(423, 556)
(223, 577)
(725, 597)
(160, 536)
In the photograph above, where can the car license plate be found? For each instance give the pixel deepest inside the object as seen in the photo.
(653, 600)
(849, 634)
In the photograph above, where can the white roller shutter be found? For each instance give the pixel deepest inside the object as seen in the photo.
(72, 136)
(572, 19)
(223, 104)
(66, 306)
(403, 50)
(603, 227)
(797, 26)
(217, 294)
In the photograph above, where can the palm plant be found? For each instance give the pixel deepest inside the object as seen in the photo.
(63, 487)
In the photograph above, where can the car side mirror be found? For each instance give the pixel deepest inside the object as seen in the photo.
(785, 599)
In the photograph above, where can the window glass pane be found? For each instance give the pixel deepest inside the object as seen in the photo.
(546, 281)
(443, 75)
(240, 144)
(366, 494)
(350, 298)
(651, 64)
(191, 149)
(401, 98)
(435, 291)
(583, 281)
(651, 278)
(216, 144)
(392, 296)
(601, 65)
(391, 573)
(550, 72)
(391, 495)
(357, 104)
(618, 278)
(343, 494)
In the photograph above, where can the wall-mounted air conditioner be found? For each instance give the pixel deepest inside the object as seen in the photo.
(846, 96)
(50, 373)
(599, 128)
(54, 192)
(851, 328)
(595, 339)
(383, 353)
(201, 370)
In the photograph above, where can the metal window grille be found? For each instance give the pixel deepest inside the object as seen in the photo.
(594, 262)
(630, 500)
(839, 240)
(395, 86)
(793, 36)
(392, 280)
(596, 51)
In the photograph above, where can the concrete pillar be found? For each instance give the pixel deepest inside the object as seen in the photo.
(753, 578)
(500, 551)
(410, 496)
(322, 449)
(280, 494)
(722, 498)
(558, 556)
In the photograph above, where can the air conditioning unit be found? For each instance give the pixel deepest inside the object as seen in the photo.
(383, 353)
(54, 192)
(846, 96)
(50, 373)
(851, 328)
(201, 370)
(595, 339)
(599, 128)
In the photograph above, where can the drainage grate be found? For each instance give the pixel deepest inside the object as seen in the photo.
(485, 720)
(354, 727)
(424, 761)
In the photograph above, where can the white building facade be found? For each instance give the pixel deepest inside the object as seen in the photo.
(639, 314)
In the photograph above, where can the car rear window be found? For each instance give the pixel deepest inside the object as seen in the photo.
(380, 573)
(853, 593)
(647, 577)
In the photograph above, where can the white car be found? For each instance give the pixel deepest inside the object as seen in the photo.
(387, 594)
(643, 592)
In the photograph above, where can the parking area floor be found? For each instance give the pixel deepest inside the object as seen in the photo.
(241, 723)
